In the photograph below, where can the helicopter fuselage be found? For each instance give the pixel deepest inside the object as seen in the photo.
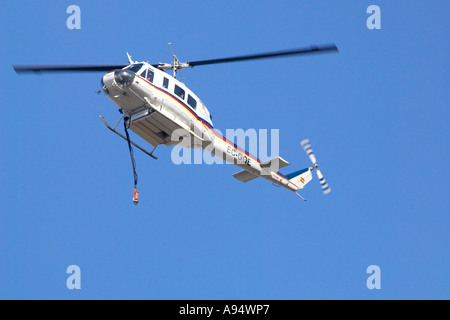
(162, 110)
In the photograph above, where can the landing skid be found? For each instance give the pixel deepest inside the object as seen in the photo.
(123, 137)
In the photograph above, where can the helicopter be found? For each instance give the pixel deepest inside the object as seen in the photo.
(163, 111)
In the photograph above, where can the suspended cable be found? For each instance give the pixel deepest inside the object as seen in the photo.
(126, 124)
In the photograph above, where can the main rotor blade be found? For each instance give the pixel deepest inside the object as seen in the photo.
(53, 68)
(308, 50)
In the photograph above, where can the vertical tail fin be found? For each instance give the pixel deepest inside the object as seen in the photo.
(300, 178)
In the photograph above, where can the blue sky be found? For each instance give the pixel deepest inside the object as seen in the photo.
(376, 115)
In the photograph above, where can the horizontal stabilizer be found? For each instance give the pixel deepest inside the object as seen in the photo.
(244, 176)
(275, 164)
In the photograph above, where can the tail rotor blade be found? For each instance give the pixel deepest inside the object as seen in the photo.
(323, 183)
(307, 147)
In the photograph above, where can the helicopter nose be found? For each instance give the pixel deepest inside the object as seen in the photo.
(124, 77)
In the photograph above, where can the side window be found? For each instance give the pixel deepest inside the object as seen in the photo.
(143, 73)
(150, 75)
(166, 83)
(192, 102)
(179, 92)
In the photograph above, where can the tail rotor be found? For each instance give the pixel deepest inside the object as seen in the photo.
(307, 147)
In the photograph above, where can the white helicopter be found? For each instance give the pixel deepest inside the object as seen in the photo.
(162, 110)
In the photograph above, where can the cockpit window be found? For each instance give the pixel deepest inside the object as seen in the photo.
(147, 74)
(135, 67)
